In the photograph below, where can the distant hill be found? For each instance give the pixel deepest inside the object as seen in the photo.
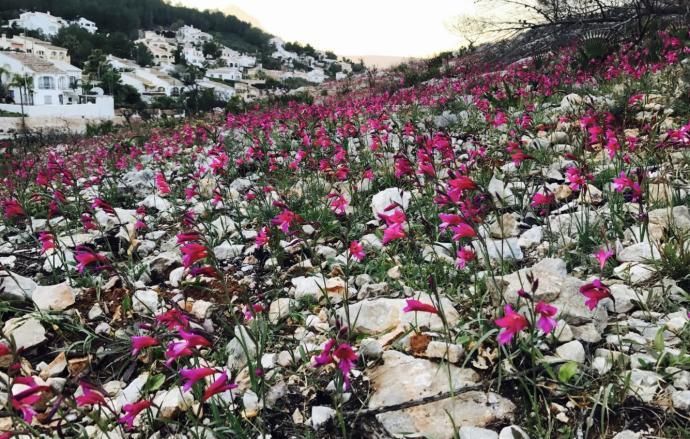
(380, 61)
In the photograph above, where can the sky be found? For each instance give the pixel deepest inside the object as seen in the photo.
(398, 28)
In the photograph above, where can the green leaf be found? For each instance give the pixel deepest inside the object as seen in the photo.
(567, 371)
(155, 382)
(659, 343)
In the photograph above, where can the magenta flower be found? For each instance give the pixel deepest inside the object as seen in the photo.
(193, 252)
(87, 257)
(192, 376)
(342, 355)
(284, 220)
(12, 209)
(393, 232)
(595, 292)
(357, 251)
(140, 342)
(162, 184)
(602, 256)
(90, 396)
(338, 204)
(262, 237)
(414, 305)
(25, 400)
(464, 255)
(47, 241)
(131, 412)
(173, 319)
(220, 385)
(546, 322)
(511, 324)
(463, 230)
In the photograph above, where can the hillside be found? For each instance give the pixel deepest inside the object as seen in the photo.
(129, 16)
(462, 247)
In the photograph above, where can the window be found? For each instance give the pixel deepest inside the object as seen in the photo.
(48, 100)
(62, 83)
(46, 83)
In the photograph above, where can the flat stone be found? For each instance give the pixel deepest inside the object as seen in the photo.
(27, 332)
(226, 251)
(572, 351)
(381, 315)
(320, 415)
(468, 432)
(640, 252)
(280, 308)
(316, 288)
(54, 297)
(173, 401)
(145, 302)
(403, 378)
(15, 287)
(499, 249)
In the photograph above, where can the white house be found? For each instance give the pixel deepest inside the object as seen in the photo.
(222, 92)
(42, 49)
(190, 34)
(48, 24)
(162, 48)
(85, 24)
(280, 52)
(233, 58)
(149, 82)
(316, 76)
(225, 73)
(46, 82)
(193, 55)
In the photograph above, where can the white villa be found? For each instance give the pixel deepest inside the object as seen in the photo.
(225, 73)
(162, 48)
(42, 49)
(233, 58)
(50, 89)
(48, 24)
(191, 35)
(85, 24)
(280, 52)
(193, 55)
(149, 82)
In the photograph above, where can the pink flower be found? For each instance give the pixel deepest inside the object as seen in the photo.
(220, 385)
(623, 183)
(25, 400)
(193, 252)
(87, 257)
(12, 209)
(414, 305)
(576, 178)
(546, 322)
(465, 255)
(262, 237)
(511, 324)
(90, 396)
(4, 350)
(357, 251)
(284, 220)
(393, 232)
(602, 256)
(463, 230)
(396, 217)
(173, 319)
(542, 201)
(595, 292)
(342, 355)
(140, 342)
(338, 204)
(47, 241)
(132, 411)
(192, 376)
(162, 184)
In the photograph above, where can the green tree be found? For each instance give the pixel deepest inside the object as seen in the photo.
(142, 55)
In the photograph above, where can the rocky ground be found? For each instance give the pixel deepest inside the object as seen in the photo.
(496, 253)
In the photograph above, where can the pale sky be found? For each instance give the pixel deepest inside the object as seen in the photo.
(411, 28)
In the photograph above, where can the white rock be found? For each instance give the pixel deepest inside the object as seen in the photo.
(27, 332)
(640, 252)
(513, 432)
(467, 432)
(385, 198)
(156, 202)
(499, 249)
(226, 251)
(145, 302)
(320, 415)
(403, 378)
(531, 237)
(15, 287)
(280, 308)
(681, 400)
(201, 309)
(54, 297)
(171, 402)
(572, 351)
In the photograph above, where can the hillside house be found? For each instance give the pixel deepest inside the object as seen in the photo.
(42, 49)
(191, 35)
(149, 82)
(85, 24)
(225, 73)
(47, 24)
(163, 49)
(47, 82)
